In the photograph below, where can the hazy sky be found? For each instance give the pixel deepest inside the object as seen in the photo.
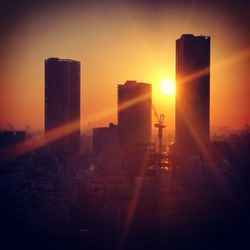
(118, 41)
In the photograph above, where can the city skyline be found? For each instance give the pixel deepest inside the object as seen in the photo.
(144, 49)
(100, 146)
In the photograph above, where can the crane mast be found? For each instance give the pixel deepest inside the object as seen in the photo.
(160, 125)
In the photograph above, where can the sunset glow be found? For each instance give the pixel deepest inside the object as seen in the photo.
(142, 44)
(167, 87)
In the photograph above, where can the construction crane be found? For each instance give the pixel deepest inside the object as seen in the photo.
(160, 125)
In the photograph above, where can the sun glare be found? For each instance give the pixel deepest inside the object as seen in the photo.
(167, 87)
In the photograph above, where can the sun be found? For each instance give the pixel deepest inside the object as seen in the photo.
(167, 87)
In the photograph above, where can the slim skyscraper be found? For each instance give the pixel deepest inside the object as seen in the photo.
(62, 102)
(193, 92)
(134, 113)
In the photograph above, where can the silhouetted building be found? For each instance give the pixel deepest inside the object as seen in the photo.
(105, 140)
(11, 137)
(10, 141)
(140, 160)
(134, 113)
(62, 103)
(86, 143)
(107, 154)
(134, 126)
(193, 92)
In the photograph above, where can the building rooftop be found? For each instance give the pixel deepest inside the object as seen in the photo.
(193, 36)
(60, 60)
(133, 83)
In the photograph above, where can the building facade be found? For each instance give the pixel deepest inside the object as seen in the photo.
(134, 113)
(192, 92)
(134, 126)
(62, 103)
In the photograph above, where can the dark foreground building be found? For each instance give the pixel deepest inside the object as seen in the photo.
(193, 92)
(62, 103)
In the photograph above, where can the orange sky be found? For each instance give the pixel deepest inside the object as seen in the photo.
(125, 42)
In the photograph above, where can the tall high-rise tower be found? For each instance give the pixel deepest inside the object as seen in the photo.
(62, 102)
(134, 113)
(193, 92)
